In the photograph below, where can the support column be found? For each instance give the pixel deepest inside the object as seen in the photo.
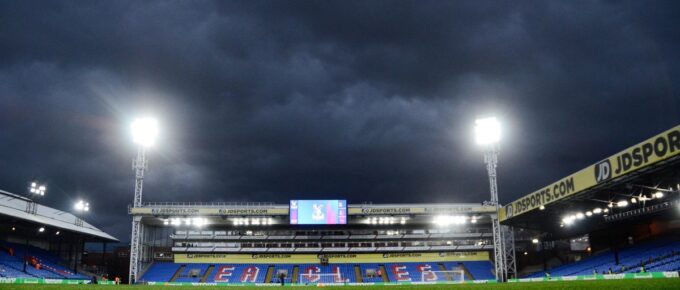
(491, 160)
(139, 166)
(25, 254)
(104, 264)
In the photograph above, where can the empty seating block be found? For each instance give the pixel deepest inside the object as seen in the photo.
(316, 273)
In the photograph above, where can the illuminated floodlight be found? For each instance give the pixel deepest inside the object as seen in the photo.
(606, 210)
(57, 233)
(542, 207)
(597, 210)
(41, 229)
(166, 222)
(37, 189)
(633, 200)
(589, 213)
(658, 194)
(82, 206)
(568, 220)
(175, 221)
(623, 203)
(487, 131)
(610, 205)
(580, 216)
(198, 222)
(445, 220)
(534, 241)
(144, 131)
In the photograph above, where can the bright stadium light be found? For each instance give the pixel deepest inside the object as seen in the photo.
(36, 188)
(41, 229)
(633, 200)
(175, 221)
(658, 194)
(580, 216)
(199, 222)
(82, 206)
(589, 213)
(597, 210)
(144, 131)
(450, 220)
(534, 241)
(623, 203)
(487, 131)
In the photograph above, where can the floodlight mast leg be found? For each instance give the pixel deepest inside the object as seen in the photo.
(139, 165)
(491, 160)
(509, 242)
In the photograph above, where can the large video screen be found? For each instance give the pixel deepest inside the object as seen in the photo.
(318, 212)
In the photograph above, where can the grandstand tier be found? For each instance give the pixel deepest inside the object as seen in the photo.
(316, 273)
(37, 241)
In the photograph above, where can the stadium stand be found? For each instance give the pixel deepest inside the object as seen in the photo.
(658, 255)
(40, 263)
(307, 273)
(42, 242)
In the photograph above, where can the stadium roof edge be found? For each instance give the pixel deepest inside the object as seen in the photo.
(13, 205)
(661, 147)
(282, 205)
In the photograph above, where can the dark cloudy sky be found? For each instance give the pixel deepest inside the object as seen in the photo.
(363, 100)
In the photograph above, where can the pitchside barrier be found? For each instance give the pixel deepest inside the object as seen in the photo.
(650, 275)
(647, 275)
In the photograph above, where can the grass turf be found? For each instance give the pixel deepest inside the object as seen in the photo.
(556, 285)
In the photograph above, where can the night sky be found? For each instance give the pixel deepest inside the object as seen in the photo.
(363, 100)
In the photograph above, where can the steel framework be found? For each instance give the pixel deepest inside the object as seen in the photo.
(139, 165)
(509, 243)
(491, 161)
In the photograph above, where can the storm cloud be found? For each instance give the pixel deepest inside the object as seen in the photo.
(363, 100)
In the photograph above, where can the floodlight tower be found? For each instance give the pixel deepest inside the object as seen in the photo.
(488, 135)
(35, 189)
(144, 133)
(81, 207)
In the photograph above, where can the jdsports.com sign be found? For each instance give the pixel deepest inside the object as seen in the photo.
(653, 150)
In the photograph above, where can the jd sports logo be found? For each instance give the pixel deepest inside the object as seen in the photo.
(603, 171)
(508, 211)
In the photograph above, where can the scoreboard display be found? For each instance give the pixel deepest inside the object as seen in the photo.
(318, 212)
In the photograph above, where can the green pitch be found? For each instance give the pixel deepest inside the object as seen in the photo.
(557, 285)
